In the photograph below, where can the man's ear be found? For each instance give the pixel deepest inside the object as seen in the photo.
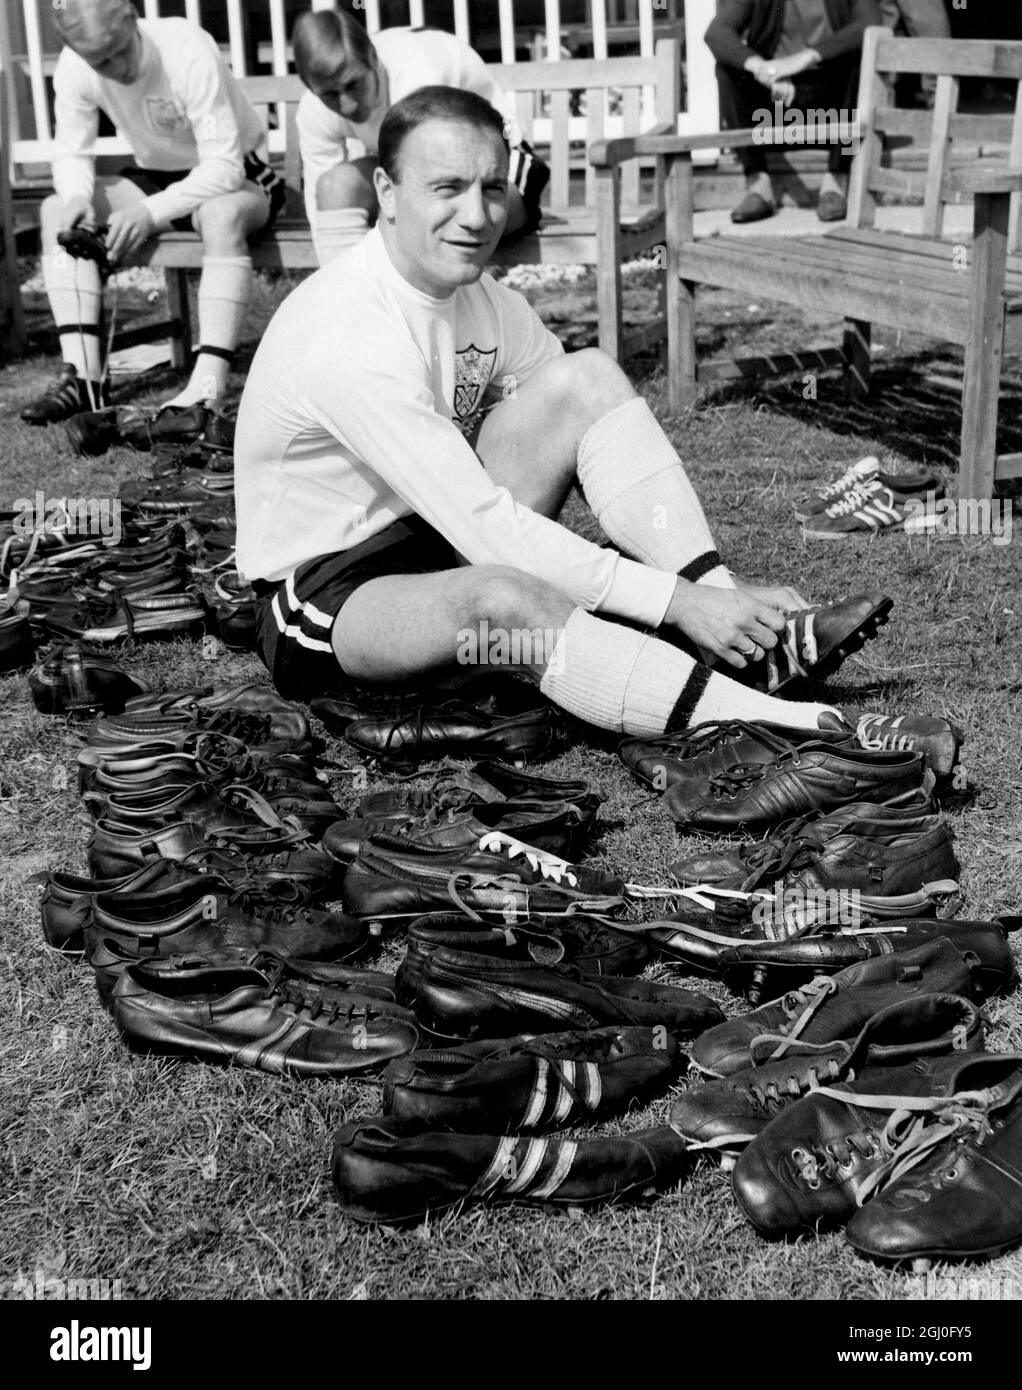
(384, 192)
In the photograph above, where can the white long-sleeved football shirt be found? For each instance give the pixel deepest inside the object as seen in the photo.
(350, 420)
(411, 58)
(185, 111)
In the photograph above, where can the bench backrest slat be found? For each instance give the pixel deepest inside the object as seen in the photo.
(954, 57)
(934, 133)
(614, 91)
(940, 154)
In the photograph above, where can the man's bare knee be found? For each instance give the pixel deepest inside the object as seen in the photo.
(590, 382)
(344, 186)
(510, 598)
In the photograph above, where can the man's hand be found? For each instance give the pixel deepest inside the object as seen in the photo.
(784, 92)
(780, 596)
(128, 230)
(77, 210)
(726, 623)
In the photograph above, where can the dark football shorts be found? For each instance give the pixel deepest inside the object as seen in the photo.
(257, 171)
(295, 617)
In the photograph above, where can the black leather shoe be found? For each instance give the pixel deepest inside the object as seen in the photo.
(530, 1084)
(203, 916)
(834, 1008)
(68, 395)
(812, 1163)
(386, 883)
(259, 1018)
(66, 902)
(701, 937)
(905, 815)
(711, 748)
(757, 797)
(815, 642)
(73, 680)
(457, 730)
(557, 827)
(455, 787)
(591, 946)
(961, 1201)
(17, 645)
(726, 1115)
(761, 966)
(753, 208)
(383, 1174)
(884, 862)
(467, 996)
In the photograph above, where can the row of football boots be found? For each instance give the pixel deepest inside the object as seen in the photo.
(868, 1100)
(205, 808)
(100, 590)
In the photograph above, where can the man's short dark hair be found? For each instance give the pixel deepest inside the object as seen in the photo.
(433, 104)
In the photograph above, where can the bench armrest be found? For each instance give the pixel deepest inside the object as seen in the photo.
(994, 176)
(603, 153)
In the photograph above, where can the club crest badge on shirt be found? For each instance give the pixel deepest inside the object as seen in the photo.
(473, 368)
(165, 116)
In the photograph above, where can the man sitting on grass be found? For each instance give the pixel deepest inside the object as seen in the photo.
(198, 147)
(383, 509)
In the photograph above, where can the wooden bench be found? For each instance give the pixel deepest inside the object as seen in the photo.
(970, 296)
(615, 221)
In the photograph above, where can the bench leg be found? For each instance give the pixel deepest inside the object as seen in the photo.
(180, 309)
(985, 348)
(681, 343)
(856, 348)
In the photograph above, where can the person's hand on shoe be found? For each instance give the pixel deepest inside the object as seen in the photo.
(781, 596)
(77, 209)
(130, 229)
(727, 624)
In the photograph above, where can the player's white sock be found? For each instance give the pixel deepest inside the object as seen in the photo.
(225, 288)
(642, 498)
(622, 680)
(335, 229)
(76, 296)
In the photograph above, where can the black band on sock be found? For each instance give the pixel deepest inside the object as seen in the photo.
(684, 706)
(226, 353)
(92, 328)
(702, 564)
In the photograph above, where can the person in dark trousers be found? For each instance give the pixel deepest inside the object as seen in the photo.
(801, 54)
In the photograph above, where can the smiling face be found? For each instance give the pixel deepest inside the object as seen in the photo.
(445, 213)
(353, 90)
(114, 50)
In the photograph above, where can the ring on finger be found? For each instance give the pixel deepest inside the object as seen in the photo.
(751, 651)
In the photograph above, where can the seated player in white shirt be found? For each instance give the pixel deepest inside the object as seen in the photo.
(382, 511)
(353, 80)
(198, 146)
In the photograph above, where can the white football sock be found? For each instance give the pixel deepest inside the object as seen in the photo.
(619, 679)
(335, 229)
(641, 496)
(225, 288)
(76, 297)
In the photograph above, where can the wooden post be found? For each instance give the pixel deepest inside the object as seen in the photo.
(12, 319)
(985, 346)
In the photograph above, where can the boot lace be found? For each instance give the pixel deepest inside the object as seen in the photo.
(548, 866)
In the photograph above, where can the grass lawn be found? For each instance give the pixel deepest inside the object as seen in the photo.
(173, 1180)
